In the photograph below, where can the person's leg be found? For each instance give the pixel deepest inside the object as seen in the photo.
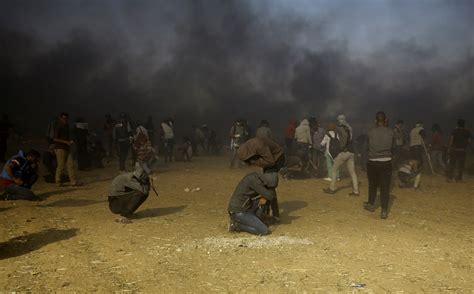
(135, 201)
(351, 169)
(250, 223)
(15, 192)
(71, 168)
(61, 161)
(329, 163)
(340, 159)
(372, 178)
(385, 177)
(452, 165)
(461, 158)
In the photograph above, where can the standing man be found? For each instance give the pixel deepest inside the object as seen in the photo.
(379, 166)
(168, 135)
(344, 131)
(122, 139)
(109, 136)
(417, 137)
(458, 144)
(317, 151)
(62, 149)
(303, 141)
(237, 135)
(290, 136)
(437, 147)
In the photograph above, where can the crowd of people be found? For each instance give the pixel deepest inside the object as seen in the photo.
(308, 150)
(321, 153)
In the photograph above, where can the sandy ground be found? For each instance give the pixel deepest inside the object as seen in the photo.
(179, 240)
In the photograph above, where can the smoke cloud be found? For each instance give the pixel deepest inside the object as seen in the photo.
(214, 61)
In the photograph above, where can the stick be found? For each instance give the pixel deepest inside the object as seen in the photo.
(428, 156)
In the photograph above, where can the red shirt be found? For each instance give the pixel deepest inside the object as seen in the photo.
(437, 141)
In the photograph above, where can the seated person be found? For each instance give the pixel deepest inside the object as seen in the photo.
(248, 203)
(184, 151)
(128, 192)
(19, 175)
(409, 174)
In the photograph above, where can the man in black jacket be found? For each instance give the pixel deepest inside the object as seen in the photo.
(247, 204)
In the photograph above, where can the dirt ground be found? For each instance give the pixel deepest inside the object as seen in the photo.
(179, 240)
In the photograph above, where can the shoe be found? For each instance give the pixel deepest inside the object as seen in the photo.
(77, 184)
(329, 191)
(369, 207)
(123, 220)
(232, 227)
(338, 179)
(384, 214)
(327, 179)
(354, 194)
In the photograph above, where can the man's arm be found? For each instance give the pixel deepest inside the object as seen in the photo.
(257, 185)
(9, 168)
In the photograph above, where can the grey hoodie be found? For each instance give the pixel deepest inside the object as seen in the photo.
(133, 181)
(250, 187)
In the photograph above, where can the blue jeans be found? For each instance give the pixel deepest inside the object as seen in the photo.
(249, 222)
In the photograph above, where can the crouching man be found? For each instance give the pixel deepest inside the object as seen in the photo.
(409, 174)
(248, 204)
(128, 192)
(19, 175)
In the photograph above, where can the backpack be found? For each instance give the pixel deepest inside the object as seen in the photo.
(334, 146)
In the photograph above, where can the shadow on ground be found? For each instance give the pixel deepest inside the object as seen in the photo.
(159, 211)
(290, 207)
(72, 203)
(59, 191)
(25, 244)
(2, 209)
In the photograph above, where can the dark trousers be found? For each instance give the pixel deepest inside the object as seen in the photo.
(123, 147)
(456, 158)
(416, 152)
(379, 174)
(126, 205)
(15, 192)
(249, 222)
(289, 145)
(169, 146)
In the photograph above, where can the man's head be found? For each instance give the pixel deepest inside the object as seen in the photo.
(332, 127)
(64, 118)
(419, 124)
(32, 155)
(380, 118)
(461, 123)
(264, 123)
(399, 123)
(341, 119)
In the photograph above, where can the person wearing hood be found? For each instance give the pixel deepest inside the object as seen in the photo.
(417, 141)
(303, 140)
(268, 155)
(247, 203)
(127, 192)
(346, 155)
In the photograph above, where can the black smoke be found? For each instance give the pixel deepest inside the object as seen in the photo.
(214, 61)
